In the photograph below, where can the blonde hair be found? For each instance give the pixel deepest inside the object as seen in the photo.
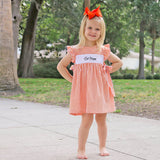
(82, 38)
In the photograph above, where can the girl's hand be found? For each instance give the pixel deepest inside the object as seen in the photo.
(116, 62)
(62, 67)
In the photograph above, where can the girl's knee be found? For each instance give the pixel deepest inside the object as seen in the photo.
(87, 120)
(101, 118)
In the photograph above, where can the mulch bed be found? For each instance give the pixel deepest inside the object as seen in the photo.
(140, 109)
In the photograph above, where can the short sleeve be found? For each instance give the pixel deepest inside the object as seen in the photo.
(106, 51)
(70, 50)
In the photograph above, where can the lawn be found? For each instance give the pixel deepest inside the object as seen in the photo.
(133, 97)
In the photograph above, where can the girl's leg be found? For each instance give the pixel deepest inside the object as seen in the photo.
(86, 123)
(102, 133)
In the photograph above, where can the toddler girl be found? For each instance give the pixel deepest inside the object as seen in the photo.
(92, 89)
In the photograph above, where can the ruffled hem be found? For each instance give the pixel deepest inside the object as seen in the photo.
(81, 113)
(70, 51)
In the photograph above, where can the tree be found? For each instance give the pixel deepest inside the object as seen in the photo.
(25, 67)
(142, 11)
(16, 19)
(139, 17)
(119, 29)
(8, 68)
(87, 4)
(60, 20)
(57, 21)
(68, 17)
(154, 31)
(141, 50)
(154, 28)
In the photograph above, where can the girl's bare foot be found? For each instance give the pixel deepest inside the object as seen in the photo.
(81, 155)
(103, 152)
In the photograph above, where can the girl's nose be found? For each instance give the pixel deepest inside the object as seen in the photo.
(94, 31)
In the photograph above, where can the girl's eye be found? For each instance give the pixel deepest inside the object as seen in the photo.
(97, 29)
(89, 27)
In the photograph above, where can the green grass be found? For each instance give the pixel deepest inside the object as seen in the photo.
(57, 91)
(137, 90)
(50, 91)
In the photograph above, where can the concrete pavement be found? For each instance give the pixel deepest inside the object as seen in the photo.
(32, 131)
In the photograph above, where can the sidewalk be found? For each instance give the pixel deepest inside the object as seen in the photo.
(32, 131)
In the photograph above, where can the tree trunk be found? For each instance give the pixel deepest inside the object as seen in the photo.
(153, 48)
(25, 68)
(8, 68)
(141, 51)
(75, 40)
(68, 39)
(86, 3)
(16, 19)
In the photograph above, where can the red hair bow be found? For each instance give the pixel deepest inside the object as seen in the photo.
(93, 13)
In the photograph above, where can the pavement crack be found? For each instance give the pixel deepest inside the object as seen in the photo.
(72, 137)
(131, 155)
(115, 150)
(13, 120)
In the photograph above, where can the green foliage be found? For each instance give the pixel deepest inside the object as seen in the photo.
(48, 31)
(118, 111)
(24, 8)
(128, 76)
(148, 12)
(124, 74)
(119, 30)
(157, 70)
(117, 75)
(148, 63)
(47, 69)
(59, 21)
(132, 74)
(149, 76)
(148, 43)
(156, 76)
(128, 71)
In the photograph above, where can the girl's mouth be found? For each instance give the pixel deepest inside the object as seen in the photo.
(92, 35)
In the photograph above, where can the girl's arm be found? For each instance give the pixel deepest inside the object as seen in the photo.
(116, 62)
(62, 67)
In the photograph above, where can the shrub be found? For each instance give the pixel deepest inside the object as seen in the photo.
(149, 76)
(156, 76)
(129, 71)
(117, 76)
(129, 76)
(47, 69)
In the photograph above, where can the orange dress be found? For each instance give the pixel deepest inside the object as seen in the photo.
(92, 89)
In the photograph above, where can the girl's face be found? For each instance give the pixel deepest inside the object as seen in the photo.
(92, 30)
